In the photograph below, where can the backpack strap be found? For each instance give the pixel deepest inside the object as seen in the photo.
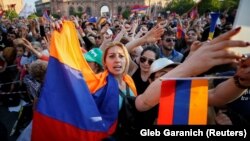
(127, 92)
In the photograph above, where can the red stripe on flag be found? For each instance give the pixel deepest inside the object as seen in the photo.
(67, 132)
(166, 104)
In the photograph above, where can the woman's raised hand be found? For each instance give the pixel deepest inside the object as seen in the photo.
(215, 52)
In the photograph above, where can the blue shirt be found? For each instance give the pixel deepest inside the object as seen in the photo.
(175, 56)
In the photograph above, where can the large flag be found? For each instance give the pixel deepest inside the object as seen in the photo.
(67, 109)
(183, 102)
(213, 24)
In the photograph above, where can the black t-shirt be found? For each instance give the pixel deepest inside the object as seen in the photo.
(147, 118)
(140, 85)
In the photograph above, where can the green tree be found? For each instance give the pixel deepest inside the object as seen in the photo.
(229, 4)
(32, 16)
(213, 5)
(180, 6)
(126, 13)
(11, 14)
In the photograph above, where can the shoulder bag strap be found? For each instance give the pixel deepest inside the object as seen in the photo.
(127, 92)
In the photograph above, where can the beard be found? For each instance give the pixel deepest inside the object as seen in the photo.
(168, 48)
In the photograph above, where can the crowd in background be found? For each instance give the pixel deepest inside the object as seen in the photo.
(25, 45)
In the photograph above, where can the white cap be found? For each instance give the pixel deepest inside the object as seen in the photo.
(160, 64)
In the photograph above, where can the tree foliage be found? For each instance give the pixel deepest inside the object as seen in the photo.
(183, 6)
(126, 13)
(32, 16)
(11, 14)
(180, 6)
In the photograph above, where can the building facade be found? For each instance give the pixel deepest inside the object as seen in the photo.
(16, 5)
(92, 7)
(42, 5)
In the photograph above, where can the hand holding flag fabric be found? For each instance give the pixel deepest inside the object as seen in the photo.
(67, 109)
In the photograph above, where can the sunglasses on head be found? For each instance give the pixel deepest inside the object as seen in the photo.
(170, 39)
(144, 59)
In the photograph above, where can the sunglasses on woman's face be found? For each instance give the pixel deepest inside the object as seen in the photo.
(144, 59)
(98, 37)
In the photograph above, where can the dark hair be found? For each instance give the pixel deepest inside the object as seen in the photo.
(155, 49)
(168, 32)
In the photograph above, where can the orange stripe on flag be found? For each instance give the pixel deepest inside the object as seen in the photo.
(62, 43)
(198, 102)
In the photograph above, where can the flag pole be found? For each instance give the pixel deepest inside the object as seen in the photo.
(193, 78)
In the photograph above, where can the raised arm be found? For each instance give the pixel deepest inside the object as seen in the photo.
(214, 53)
(152, 36)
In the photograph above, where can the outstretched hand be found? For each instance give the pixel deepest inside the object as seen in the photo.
(154, 34)
(243, 72)
(215, 52)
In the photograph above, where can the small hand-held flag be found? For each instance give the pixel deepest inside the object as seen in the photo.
(214, 18)
(183, 102)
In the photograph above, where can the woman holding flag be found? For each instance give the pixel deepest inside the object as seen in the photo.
(97, 119)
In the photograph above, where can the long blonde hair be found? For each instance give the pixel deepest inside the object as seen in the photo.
(113, 44)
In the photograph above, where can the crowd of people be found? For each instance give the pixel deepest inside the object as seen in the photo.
(138, 52)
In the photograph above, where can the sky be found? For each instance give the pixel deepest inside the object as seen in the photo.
(30, 2)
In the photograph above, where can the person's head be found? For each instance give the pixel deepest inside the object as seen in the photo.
(94, 59)
(37, 46)
(9, 54)
(223, 19)
(160, 67)
(116, 58)
(44, 44)
(98, 40)
(191, 36)
(168, 40)
(20, 51)
(11, 35)
(37, 70)
(148, 56)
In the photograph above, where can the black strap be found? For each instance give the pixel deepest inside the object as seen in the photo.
(127, 92)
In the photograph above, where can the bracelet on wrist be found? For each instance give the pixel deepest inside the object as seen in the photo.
(237, 83)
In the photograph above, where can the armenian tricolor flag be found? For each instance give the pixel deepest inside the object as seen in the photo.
(183, 102)
(180, 33)
(68, 108)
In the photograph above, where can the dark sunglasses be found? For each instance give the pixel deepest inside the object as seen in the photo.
(170, 39)
(98, 37)
(144, 59)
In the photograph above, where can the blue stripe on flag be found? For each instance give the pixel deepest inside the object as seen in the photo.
(68, 94)
(182, 99)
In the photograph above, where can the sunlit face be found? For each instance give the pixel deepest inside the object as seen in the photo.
(115, 60)
(169, 42)
(146, 59)
(191, 36)
(38, 48)
(19, 51)
(98, 40)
